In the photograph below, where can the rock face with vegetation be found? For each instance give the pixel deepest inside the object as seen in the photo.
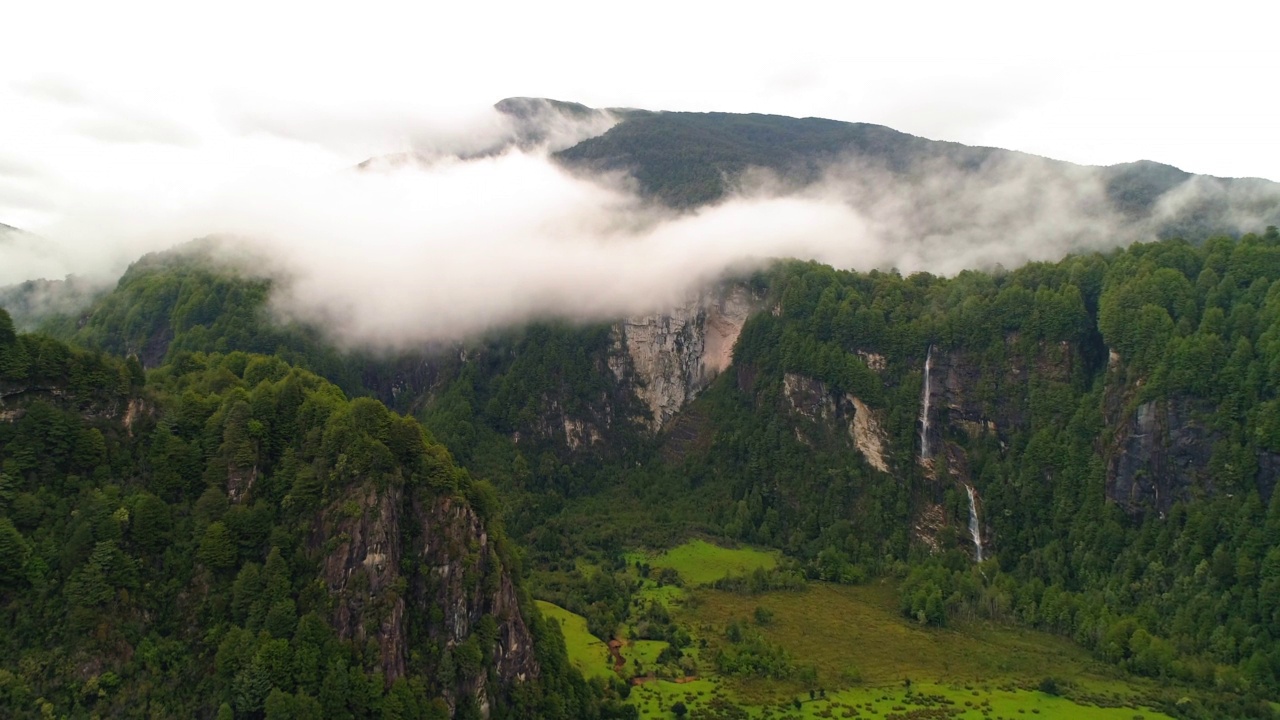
(231, 531)
(834, 415)
(1161, 455)
(668, 358)
(1102, 435)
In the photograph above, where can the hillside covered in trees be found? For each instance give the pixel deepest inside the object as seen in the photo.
(686, 160)
(1104, 428)
(230, 536)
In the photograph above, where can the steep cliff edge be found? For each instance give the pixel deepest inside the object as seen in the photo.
(421, 571)
(823, 411)
(670, 357)
(1160, 455)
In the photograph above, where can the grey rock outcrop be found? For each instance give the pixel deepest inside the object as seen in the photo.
(672, 356)
(1160, 455)
(364, 538)
(816, 403)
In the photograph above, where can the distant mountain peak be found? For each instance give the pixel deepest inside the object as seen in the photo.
(530, 107)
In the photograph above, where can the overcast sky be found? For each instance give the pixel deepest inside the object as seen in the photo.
(99, 100)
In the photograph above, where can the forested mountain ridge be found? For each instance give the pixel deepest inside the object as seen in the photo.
(1099, 428)
(1106, 425)
(908, 187)
(686, 160)
(208, 511)
(231, 536)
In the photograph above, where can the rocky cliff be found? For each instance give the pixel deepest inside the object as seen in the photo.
(1159, 454)
(1165, 450)
(420, 575)
(822, 410)
(669, 357)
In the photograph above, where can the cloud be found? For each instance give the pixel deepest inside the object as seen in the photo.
(1013, 209)
(106, 119)
(125, 128)
(30, 257)
(53, 89)
(12, 167)
(474, 226)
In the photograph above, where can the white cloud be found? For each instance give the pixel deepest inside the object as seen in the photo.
(132, 126)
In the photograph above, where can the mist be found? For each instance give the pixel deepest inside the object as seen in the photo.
(470, 225)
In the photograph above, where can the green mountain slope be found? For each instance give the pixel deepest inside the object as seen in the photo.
(689, 159)
(1114, 417)
(686, 160)
(232, 536)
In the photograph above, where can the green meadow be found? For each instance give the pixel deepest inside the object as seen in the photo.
(587, 652)
(867, 660)
(700, 563)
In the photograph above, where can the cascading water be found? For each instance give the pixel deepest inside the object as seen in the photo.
(924, 407)
(974, 528)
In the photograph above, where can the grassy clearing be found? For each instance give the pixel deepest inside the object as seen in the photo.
(586, 651)
(700, 563)
(863, 650)
(643, 653)
(709, 697)
(945, 701)
(839, 629)
(654, 699)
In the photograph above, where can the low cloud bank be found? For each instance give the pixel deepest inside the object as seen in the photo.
(460, 234)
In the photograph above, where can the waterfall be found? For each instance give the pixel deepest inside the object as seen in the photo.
(974, 528)
(924, 407)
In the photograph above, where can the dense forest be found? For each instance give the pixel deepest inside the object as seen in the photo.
(1115, 416)
(228, 535)
(1114, 413)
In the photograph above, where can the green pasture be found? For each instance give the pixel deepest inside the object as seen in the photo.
(870, 661)
(586, 651)
(701, 563)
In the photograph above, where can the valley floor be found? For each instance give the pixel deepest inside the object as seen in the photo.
(862, 657)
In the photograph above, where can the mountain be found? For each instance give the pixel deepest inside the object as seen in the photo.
(687, 160)
(1080, 455)
(232, 535)
(1078, 426)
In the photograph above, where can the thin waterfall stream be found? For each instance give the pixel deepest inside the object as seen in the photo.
(975, 529)
(924, 407)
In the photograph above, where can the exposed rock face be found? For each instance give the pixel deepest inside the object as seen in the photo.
(458, 580)
(970, 399)
(673, 356)
(1159, 452)
(361, 571)
(867, 434)
(14, 399)
(134, 411)
(469, 588)
(875, 361)
(808, 398)
(814, 401)
(658, 364)
(240, 482)
(978, 401)
(577, 433)
(1159, 455)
